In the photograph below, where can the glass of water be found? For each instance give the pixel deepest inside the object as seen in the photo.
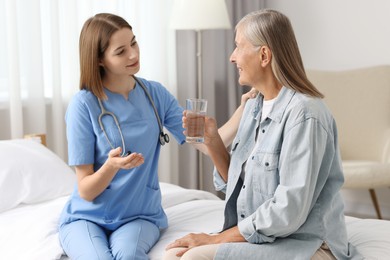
(196, 113)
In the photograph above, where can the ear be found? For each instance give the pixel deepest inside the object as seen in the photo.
(265, 55)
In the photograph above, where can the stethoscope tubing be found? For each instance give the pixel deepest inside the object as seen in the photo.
(107, 113)
(163, 137)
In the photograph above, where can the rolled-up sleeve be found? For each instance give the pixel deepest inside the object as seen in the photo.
(219, 183)
(248, 231)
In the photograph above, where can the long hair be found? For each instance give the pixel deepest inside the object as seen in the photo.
(273, 29)
(94, 40)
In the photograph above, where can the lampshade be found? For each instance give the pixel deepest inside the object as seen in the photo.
(200, 15)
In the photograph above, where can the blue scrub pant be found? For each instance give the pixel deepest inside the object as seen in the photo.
(86, 240)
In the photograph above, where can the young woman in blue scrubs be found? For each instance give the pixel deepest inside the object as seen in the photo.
(115, 210)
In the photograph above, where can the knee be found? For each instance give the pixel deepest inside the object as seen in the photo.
(206, 252)
(131, 253)
(191, 254)
(89, 255)
(171, 254)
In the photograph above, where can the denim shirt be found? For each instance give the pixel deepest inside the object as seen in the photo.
(289, 202)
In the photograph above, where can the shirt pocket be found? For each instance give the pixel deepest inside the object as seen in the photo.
(265, 175)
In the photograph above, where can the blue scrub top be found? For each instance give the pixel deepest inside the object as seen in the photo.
(133, 193)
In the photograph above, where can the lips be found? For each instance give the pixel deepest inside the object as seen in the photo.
(133, 65)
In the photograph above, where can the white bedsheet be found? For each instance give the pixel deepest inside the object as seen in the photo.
(29, 232)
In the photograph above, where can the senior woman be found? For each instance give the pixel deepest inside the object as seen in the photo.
(283, 174)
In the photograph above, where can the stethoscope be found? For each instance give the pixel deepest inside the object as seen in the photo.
(163, 137)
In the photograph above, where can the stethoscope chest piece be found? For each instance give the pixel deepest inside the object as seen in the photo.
(164, 138)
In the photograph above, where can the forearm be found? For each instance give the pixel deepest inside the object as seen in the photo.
(228, 236)
(93, 184)
(220, 157)
(202, 148)
(229, 130)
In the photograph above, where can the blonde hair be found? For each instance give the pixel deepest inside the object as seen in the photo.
(94, 40)
(273, 29)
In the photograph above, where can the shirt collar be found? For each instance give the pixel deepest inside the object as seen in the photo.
(283, 99)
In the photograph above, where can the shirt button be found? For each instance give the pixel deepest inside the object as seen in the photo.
(243, 186)
(242, 215)
(253, 157)
(267, 164)
(263, 131)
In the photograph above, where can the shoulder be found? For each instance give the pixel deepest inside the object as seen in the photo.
(304, 109)
(152, 85)
(83, 97)
(157, 90)
(309, 107)
(251, 106)
(82, 101)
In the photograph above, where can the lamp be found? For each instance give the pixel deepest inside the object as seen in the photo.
(199, 15)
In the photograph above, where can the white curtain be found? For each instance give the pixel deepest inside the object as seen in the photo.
(39, 64)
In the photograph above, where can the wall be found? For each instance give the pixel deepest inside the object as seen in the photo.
(340, 35)
(336, 35)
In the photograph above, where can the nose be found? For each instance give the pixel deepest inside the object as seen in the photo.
(133, 53)
(233, 56)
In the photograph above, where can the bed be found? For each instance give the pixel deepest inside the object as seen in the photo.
(35, 184)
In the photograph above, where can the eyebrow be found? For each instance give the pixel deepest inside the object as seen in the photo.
(121, 47)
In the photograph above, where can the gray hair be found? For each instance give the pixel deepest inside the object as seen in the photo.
(273, 29)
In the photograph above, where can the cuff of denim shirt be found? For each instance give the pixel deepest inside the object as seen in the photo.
(248, 231)
(219, 183)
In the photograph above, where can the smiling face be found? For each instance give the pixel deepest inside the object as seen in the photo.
(247, 59)
(121, 58)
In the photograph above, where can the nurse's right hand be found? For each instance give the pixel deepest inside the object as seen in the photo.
(130, 161)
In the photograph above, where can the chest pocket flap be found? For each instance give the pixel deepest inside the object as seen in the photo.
(265, 175)
(270, 161)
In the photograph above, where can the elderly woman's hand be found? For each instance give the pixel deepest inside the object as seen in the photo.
(189, 241)
(210, 128)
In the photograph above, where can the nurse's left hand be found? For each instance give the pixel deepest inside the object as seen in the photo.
(191, 240)
(131, 161)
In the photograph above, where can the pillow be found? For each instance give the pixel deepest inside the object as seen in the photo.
(31, 173)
